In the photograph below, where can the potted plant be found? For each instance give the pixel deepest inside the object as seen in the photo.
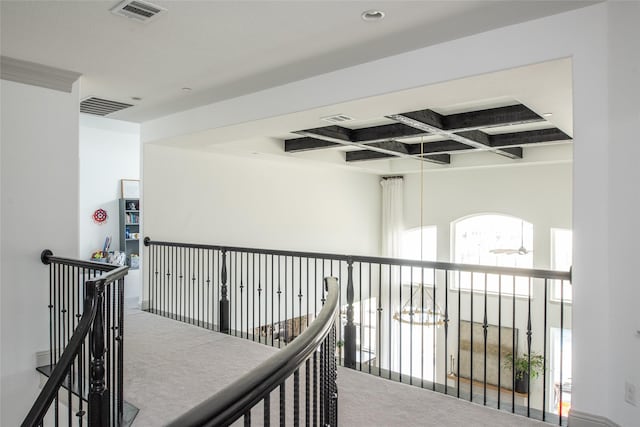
(527, 367)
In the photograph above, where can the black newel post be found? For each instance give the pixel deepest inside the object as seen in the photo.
(99, 413)
(350, 327)
(224, 301)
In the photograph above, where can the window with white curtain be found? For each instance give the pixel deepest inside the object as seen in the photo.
(561, 258)
(420, 243)
(495, 240)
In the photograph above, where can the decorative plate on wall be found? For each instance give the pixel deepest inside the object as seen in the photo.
(100, 216)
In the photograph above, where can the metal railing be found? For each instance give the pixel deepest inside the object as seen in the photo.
(493, 335)
(318, 341)
(85, 369)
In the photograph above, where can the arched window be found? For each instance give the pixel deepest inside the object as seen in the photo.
(496, 240)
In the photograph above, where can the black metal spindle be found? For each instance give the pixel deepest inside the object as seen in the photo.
(247, 418)
(513, 343)
(266, 411)
(315, 388)
(350, 327)
(296, 398)
(499, 337)
(399, 325)
(544, 355)
(485, 326)
(369, 325)
(446, 329)
(283, 415)
(360, 303)
(459, 333)
(224, 301)
(390, 342)
(379, 320)
(561, 351)
(279, 305)
(307, 392)
(529, 337)
(98, 394)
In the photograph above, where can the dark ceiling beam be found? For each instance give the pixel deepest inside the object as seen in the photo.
(361, 155)
(446, 146)
(484, 141)
(426, 120)
(492, 117)
(528, 137)
(395, 146)
(385, 133)
(305, 144)
(328, 133)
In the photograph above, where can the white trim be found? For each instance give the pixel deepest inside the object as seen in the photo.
(19, 71)
(583, 419)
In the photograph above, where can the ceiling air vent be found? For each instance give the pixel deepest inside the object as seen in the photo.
(141, 11)
(101, 107)
(338, 118)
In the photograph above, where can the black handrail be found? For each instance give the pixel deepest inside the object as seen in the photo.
(54, 383)
(509, 271)
(95, 287)
(228, 405)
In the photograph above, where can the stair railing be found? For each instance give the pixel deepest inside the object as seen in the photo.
(86, 346)
(448, 327)
(318, 341)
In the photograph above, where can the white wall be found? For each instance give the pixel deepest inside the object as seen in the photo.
(109, 152)
(210, 198)
(540, 194)
(588, 36)
(39, 210)
(624, 205)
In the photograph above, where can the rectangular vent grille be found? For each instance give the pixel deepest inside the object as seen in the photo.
(338, 118)
(138, 10)
(101, 107)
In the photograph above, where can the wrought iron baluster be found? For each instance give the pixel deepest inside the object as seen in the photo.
(350, 327)
(266, 411)
(224, 301)
(529, 337)
(98, 393)
(485, 326)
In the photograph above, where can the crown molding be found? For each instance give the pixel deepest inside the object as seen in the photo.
(31, 73)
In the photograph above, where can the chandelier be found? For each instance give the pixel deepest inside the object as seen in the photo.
(423, 311)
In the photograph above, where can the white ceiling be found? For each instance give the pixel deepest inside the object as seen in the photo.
(223, 49)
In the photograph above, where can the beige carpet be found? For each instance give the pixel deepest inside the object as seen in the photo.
(171, 366)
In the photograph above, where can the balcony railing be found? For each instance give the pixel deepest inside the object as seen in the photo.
(491, 335)
(85, 369)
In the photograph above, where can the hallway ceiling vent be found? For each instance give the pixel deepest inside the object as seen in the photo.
(338, 118)
(101, 107)
(138, 10)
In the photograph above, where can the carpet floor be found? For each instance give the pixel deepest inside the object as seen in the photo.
(171, 366)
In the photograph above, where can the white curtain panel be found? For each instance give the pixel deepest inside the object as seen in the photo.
(392, 216)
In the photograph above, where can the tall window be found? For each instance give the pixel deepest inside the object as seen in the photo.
(496, 240)
(412, 249)
(561, 256)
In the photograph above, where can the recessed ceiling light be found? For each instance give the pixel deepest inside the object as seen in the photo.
(372, 15)
(547, 114)
(186, 89)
